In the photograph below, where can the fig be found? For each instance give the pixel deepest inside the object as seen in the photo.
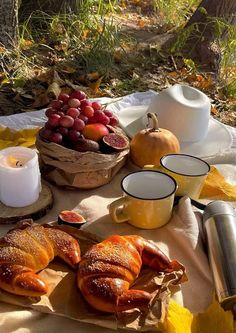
(83, 145)
(72, 218)
(115, 141)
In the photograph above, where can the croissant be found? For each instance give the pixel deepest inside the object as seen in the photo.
(24, 252)
(108, 269)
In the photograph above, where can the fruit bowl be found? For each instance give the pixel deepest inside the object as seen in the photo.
(66, 167)
(80, 145)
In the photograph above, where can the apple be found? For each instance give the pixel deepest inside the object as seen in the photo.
(95, 131)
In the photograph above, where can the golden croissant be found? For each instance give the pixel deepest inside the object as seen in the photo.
(108, 269)
(26, 251)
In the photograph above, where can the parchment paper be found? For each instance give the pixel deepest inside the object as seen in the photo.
(65, 299)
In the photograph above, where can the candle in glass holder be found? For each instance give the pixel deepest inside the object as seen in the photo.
(20, 181)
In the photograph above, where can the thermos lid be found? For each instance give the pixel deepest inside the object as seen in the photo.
(217, 207)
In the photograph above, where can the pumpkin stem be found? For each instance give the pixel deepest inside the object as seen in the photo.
(153, 125)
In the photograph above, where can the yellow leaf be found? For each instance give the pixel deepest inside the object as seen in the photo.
(173, 74)
(96, 85)
(206, 83)
(93, 76)
(213, 110)
(214, 319)
(141, 23)
(10, 138)
(179, 319)
(216, 186)
(85, 33)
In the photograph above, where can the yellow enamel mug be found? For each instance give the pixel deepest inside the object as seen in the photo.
(148, 199)
(189, 172)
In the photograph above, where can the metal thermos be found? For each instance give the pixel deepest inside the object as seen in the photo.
(219, 222)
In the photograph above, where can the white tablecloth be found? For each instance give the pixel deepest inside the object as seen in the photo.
(181, 238)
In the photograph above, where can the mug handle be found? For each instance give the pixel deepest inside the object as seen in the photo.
(121, 216)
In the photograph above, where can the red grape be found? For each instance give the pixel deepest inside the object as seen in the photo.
(108, 113)
(56, 104)
(54, 119)
(92, 120)
(66, 121)
(45, 133)
(84, 103)
(96, 105)
(48, 126)
(88, 111)
(65, 108)
(50, 111)
(73, 135)
(63, 130)
(60, 113)
(84, 118)
(78, 94)
(78, 124)
(56, 137)
(73, 112)
(114, 121)
(74, 103)
(98, 113)
(64, 97)
(101, 117)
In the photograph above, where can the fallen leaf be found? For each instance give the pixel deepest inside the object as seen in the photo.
(93, 76)
(141, 23)
(11, 138)
(173, 74)
(40, 101)
(179, 319)
(53, 90)
(96, 85)
(213, 110)
(214, 319)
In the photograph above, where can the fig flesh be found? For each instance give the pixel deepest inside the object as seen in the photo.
(72, 218)
(116, 141)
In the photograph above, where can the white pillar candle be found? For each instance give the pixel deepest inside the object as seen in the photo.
(20, 181)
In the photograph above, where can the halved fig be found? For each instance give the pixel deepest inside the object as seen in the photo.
(72, 218)
(116, 141)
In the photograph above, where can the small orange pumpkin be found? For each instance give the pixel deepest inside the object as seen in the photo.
(149, 145)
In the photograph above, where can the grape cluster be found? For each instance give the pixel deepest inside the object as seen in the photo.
(71, 116)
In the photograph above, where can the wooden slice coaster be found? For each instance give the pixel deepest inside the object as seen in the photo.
(35, 211)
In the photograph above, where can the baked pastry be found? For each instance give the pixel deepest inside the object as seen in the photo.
(26, 251)
(108, 269)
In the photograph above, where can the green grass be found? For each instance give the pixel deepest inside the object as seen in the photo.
(91, 39)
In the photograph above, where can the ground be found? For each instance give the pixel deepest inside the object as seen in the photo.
(141, 67)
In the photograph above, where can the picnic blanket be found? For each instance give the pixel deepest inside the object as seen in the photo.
(181, 238)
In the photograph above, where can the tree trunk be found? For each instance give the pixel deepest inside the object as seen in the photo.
(203, 42)
(9, 23)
